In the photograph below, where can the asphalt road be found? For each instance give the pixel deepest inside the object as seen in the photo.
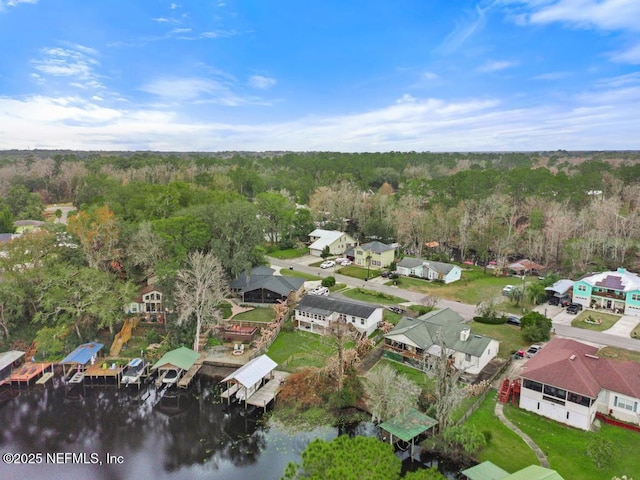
(465, 310)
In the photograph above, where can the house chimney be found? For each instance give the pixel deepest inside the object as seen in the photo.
(464, 334)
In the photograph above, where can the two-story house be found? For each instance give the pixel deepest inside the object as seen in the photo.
(316, 314)
(376, 255)
(337, 242)
(617, 292)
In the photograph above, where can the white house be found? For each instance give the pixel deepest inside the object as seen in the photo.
(337, 242)
(567, 382)
(148, 302)
(412, 340)
(445, 272)
(315, 314)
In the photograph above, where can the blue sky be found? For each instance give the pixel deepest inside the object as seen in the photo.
(339, 75)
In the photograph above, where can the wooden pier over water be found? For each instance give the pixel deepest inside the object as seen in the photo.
(265, 394)
(186, 379)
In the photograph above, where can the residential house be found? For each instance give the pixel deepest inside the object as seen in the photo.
(567, 382)
(525, 267)
(489, 471)
(412, 340)
(316, 314)
(617, 292)
(148, 302)
(445, 272)
(374, 254)
(337, 242)
(261, 286)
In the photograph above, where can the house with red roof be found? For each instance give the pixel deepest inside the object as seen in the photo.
(568, 382)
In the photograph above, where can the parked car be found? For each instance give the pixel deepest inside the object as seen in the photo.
(319, 291)
(574, 308)
(507, 290)
(533, 349)
(562, 302)
(513, 320)
(345, 263)
(395, 309)
(327, 264)
(385, 274)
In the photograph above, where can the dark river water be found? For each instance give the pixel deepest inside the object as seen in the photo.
(109, 433)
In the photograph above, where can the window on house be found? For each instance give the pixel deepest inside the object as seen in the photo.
(531, 385)
(555, 392)
(625, 404)
(635, 297)
(362, 321)
(582, 288)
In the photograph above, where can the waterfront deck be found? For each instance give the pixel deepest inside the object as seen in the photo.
(230, 392)
(268, 392)
(99, 375)
(27, 373)
(186, 379)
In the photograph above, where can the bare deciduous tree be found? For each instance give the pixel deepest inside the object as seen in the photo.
(200, 287)
(389, 393)
(447, 391)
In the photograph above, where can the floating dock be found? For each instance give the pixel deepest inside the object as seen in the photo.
(267, 392)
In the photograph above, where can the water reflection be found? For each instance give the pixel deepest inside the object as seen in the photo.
(160, 435)
(166, 434)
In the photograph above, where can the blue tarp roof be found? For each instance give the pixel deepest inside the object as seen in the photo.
(83, 353)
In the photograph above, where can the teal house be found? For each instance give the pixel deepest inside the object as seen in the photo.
(615, 292)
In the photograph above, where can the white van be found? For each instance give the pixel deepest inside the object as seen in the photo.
(319, 291)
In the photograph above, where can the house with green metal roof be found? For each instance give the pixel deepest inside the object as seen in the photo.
(413, 340)
(489, 471)
(181, 358)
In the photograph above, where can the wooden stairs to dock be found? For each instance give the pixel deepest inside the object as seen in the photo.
(123, 336)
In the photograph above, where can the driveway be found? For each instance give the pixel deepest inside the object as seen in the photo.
(624, 326)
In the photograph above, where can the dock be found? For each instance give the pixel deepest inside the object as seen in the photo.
(186, 379)
(44, 378)
(27, 373)
(230, 392)
(160, 378)
(265, 394)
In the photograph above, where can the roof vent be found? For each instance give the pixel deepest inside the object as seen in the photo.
(591, 356)
(572, 357)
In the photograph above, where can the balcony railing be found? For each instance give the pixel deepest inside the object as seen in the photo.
(403, 352)
(615, 296)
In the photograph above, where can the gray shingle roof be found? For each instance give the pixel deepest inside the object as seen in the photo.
(325, 305)
(376, 247)
(440, 267)
(410, 262)
(424, 332)
(263, 277)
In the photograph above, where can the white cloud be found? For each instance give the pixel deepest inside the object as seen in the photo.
(182, 89)
(600, 14)
(551, 76)
(630, 55)
(430, 76)
(604, 117)
(14, 3)
(261, 82)
(76, 62)
(495, 65)
(474, 21)
(179, 30)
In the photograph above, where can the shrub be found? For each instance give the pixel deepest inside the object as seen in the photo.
(490, 320)
(328, 282)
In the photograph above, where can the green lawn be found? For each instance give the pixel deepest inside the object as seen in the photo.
(293, 350)
(290, 253)
(294, 273)
(565, 447)
(372, 296)
(508, 335)
(606, 320)
(474, 287)
(259, 314)
(358, 272)
(505, 448)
